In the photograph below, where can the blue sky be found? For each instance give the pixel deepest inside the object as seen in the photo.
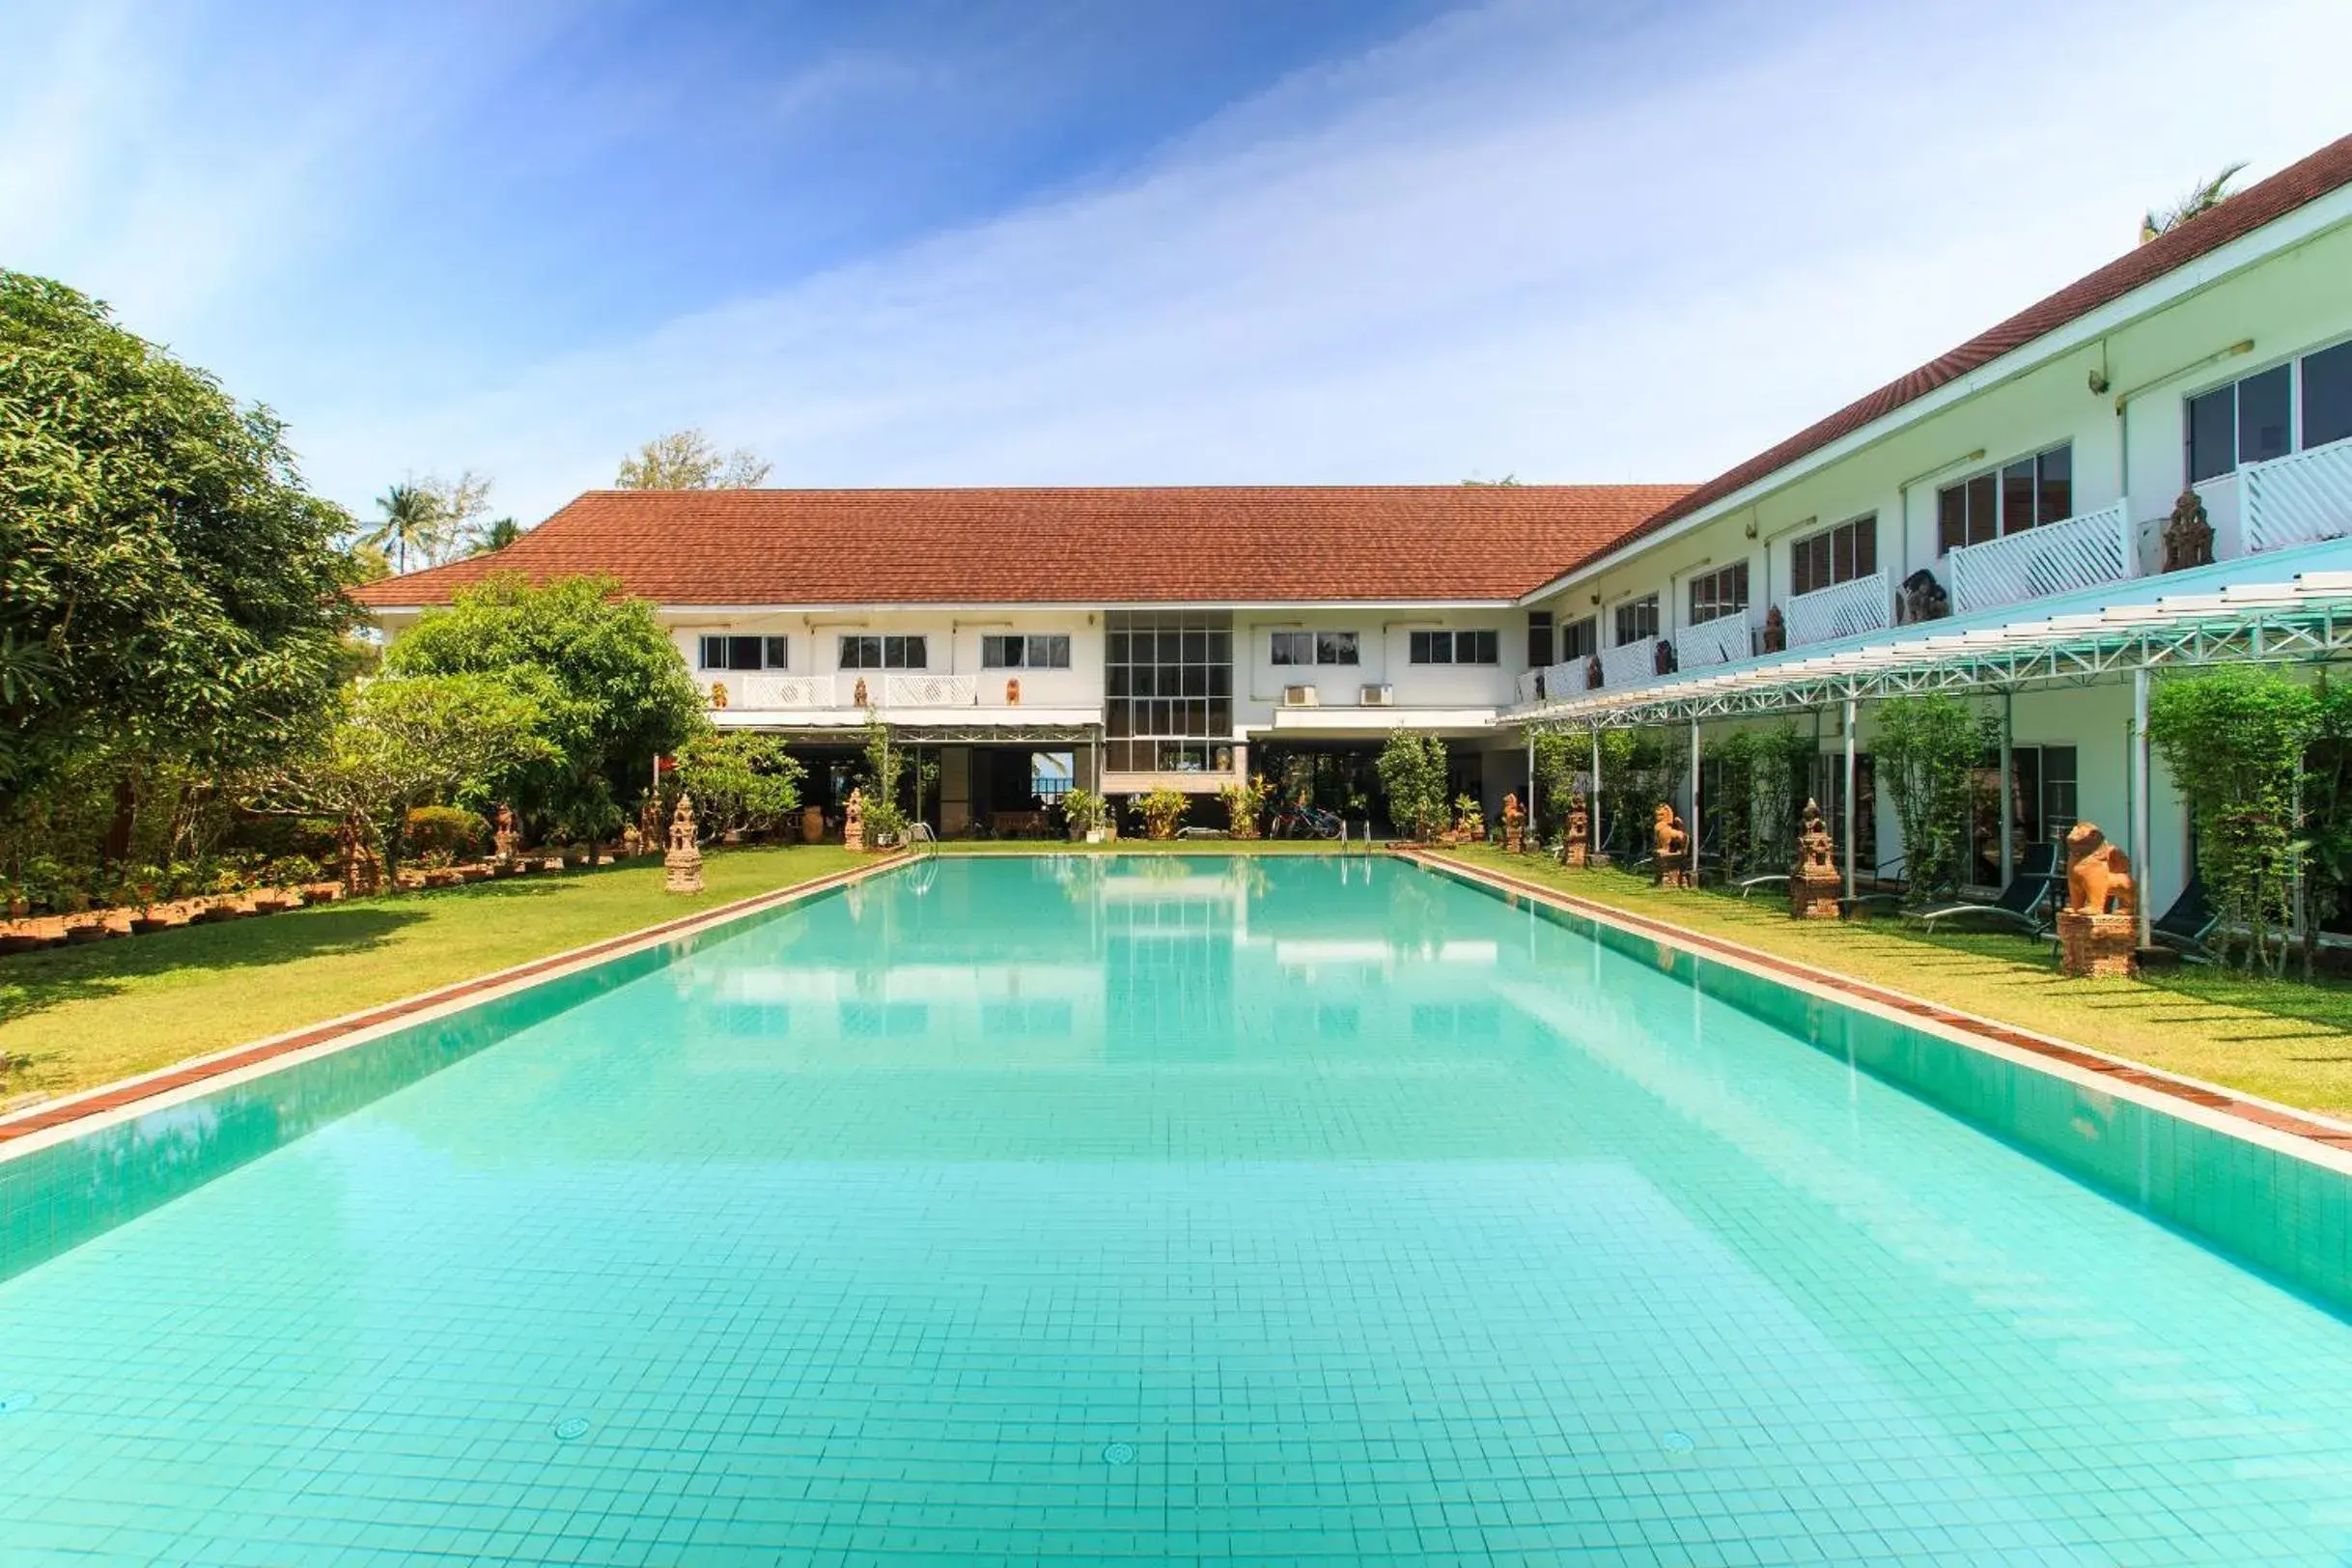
(1289, 241)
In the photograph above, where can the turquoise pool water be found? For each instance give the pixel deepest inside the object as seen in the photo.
(1160, 1209)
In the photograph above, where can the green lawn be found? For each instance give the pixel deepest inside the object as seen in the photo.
(2282, 1040)
(74, 1017)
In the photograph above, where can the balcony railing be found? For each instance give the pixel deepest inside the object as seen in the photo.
(2056, 558)
(1843, 609)
(1553, 682)
(1724, 640)
(915, 689)
(1629, 664)
(912, 688)
(765, 693)
(2298, 499)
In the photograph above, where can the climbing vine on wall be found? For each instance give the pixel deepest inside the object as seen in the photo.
(1927, 749)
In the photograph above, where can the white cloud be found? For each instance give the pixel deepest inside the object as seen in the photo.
(1517, 240)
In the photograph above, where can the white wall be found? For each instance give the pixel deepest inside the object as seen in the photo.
(1384, 642)
(953, 648)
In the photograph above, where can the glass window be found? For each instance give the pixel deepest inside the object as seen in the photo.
(1033, 652)
(1334, 647)
(1166, 709)
(2327, 396)
(1539, 638)
(2265, 417)
(2010, 499)
(1051, 774)
(2213, 434)
(1455, 647)
(1294, 646)
(1432, 648)
(1719, 593)
(861, 653)
(1833, 556)
(746, 652)
(1637, 620)
(1579, 639)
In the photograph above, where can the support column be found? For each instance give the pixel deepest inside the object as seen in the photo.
(2009, 790)
(2140, 795)
(1695, 803)
(1595, 840)
(1529, 820)
(1849, 807)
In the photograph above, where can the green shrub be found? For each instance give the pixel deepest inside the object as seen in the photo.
(447, 830)
(1411, 770)
(1162, 812)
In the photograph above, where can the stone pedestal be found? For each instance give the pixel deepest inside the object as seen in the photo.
(685, 859)
(1574, 854)
(1815, 897)
(2103, 946)
(1671, 875)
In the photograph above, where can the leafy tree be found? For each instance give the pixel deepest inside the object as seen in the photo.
(497, 536)
(1411, 770)
(1559, 757)
(886, 769)
(2207, 196)
(2326, 840)
(2233, 740)
(406, 742)
(411, 522)
(612, 688)
(1928, 747)
(740, 779)
(686, 460)
(167, 587)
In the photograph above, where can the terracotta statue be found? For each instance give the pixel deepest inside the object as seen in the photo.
(853, 821)
(1012, 693)
(1662, 659)
(508, 838)
(1813, 882)
(1575, 848)
(1592, 673)
(685, 859)
(1671, 849)
(1514, 825)
(857, 697)
(2099, 928)
(2188, 535)
(1775, 632)
(718, 693)
(2098, 874)
(632, 842)
(1924, 598)
(649, 821)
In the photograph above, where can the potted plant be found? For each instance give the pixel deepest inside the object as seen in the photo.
(1469, 822)
(1085, 812)
(1162, 811)
(1245, 803)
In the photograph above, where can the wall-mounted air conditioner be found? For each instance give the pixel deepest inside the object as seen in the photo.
(1300, 696)
(1376, 696)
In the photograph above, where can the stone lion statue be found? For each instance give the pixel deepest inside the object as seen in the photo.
(2098, 874)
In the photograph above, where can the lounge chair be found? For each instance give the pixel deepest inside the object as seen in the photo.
(2188, 923)
(2019, 903)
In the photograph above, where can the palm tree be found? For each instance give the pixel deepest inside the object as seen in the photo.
(412, 516)
(497, 536)
(2203, 199)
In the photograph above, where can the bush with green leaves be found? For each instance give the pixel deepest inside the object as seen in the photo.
(2234, 740)
(451, 831)
(612, 689)
(1412, 770)
(1928, 747)
(740, 780)
(1161, 812)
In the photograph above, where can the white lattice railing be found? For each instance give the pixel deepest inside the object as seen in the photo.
(2056, 558)
(2297, 499)
(1629, 664)
(1724, 640)
(1565, 679)
(1843, 609)
(765, 693)
(918, 690)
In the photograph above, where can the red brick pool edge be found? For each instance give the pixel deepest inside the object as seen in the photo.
(100, 1101)
(2114, 1069)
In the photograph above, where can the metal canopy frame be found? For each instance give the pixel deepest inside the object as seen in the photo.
(2307, 622)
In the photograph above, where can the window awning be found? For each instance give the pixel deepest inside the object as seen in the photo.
(2301, 614)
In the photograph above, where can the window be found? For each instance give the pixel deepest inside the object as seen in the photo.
(2327, 396)
(1314, 647)
(1031, 653)
(1638, 620)
(1719, 593)
(1051, 774)
(1833, 555)
(885, 654)
(1167, 682)
(1579, 639)
(1539, 638)
(1456, 647)
(2253, 419)
(2007, 500)
(746, 652)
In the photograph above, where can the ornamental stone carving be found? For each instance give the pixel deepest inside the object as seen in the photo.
(2187, 534)
(685, 859)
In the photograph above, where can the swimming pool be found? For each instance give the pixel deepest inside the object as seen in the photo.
(1189, 1208)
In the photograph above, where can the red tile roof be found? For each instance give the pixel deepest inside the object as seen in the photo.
(2291, 187)
(1258, 544)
